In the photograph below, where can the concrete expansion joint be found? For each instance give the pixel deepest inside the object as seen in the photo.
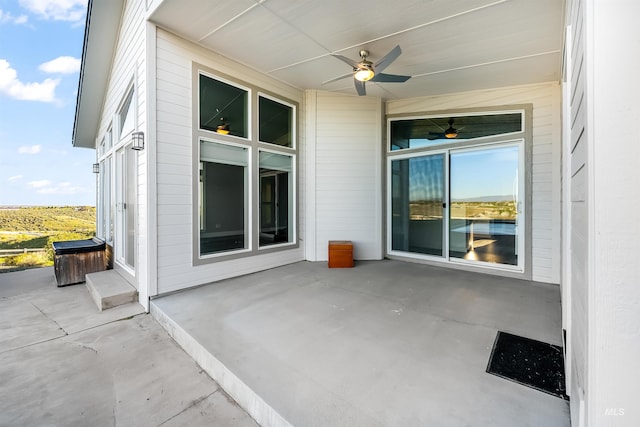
(49, 318)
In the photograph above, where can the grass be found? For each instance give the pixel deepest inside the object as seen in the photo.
(38, 227)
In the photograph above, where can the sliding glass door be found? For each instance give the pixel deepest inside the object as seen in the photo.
(418, 204)
(460, 205)
(484, 214)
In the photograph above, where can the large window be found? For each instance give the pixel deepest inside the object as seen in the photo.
(224, 182)
(458, 199)
(275, 122)
(223, 107)
(246, 184)
(276, 198)
(427, 131)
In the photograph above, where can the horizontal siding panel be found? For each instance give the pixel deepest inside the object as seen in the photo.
(167, 98)
(174, 159)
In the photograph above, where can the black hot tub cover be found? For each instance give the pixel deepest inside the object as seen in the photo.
(78, 246)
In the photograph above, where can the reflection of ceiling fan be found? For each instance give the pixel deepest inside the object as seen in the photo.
(449, 133)
(365, 70)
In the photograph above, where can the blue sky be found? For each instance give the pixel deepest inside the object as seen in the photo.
(40, 50)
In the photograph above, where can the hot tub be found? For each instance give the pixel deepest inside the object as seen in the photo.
(73, 259)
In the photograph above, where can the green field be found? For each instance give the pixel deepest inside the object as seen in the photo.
(37, 228)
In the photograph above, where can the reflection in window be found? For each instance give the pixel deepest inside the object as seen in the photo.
(223, 197)
(276, 198)
(223, 107)
(423, 132)
(275, 122)
(417, 196)
(126, 117)
(484, 205)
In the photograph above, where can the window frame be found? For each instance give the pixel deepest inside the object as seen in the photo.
(248, 111)
(526, 136)
(247, 202)
(455, 142)
(294, 120)
(292, 193)
(254, 145)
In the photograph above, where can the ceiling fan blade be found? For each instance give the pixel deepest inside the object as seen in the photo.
(346, 60)
(360, 87)
(389, 78)
(387, 59)
(337, 78)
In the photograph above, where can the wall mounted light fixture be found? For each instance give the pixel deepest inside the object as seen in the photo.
(96, 168)
(137, 141)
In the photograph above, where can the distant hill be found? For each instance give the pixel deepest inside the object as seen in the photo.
(45, 219)
(503, 198)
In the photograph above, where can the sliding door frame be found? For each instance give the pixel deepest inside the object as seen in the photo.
(524, 138)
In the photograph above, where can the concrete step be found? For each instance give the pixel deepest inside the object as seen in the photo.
(109, 289)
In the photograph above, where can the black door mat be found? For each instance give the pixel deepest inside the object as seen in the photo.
(535, 364)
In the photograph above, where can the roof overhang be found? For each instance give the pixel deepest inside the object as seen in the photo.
(100, 36)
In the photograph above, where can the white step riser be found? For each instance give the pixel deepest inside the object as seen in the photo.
(108, 289)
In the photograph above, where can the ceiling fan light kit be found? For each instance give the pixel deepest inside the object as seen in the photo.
(451, 132)
(363, 74)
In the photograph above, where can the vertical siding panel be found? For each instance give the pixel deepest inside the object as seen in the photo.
(348, 173)
(578, 213)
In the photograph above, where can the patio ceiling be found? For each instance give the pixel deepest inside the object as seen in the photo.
(447, 46)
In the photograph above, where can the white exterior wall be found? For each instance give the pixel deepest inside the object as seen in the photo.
(546, 160)
(129, 65)
(343, 173)
(604, 155)
(174, 144)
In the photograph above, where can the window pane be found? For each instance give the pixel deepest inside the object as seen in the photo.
(223, 107)
(126, 117)
(484, 197)
(131, 205)
(416, 133)
(275, 122)
(276, 199)
(417, 196)
(223, 200)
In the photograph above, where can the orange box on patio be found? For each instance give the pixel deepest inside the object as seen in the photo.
(340, 254)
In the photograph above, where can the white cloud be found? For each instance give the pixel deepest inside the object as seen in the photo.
(30, 149)
(61, 65)
(61, 188)
(40, 184)
(11, 86)
(14, 178)
(57, 10)
(7, 17)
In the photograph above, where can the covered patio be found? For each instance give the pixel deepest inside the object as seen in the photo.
(384, 343)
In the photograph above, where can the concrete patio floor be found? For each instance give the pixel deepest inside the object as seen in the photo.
(63, 362)
(384, 343)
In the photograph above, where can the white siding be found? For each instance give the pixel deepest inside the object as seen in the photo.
(128, 65)
(605, 173)
(344, 175)
(576, 184)
(546, 160)
(174, 141)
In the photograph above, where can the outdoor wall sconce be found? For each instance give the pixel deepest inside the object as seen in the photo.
(137, 141)
(96, 168)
